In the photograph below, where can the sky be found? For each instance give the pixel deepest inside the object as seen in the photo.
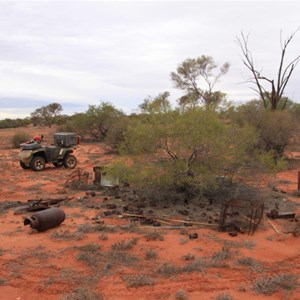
(79, 53)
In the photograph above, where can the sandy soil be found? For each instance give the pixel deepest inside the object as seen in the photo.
(94, 256)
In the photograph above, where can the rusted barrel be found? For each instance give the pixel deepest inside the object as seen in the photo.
(46, 219)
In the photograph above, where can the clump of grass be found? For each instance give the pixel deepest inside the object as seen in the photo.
(181, 295)
(195, 266)
(103, 237)
(90, 254)
(85, 228)
(120, 257)
(270, 285)
(250, 262)
(124, 245)
(2, 281)
(224, 297)
(138, 280)
(188, 257)
(154, 236)
(221, 255)
(81, 294)
(167, 270)
(66, 235)
(249, 244)
(151, 255)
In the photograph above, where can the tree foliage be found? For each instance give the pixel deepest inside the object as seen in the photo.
(46, 115)
(102, 122)
(271, 96)
(175, 148)
(274, 129)
(198, 77)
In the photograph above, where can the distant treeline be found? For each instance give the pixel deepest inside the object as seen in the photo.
(14, 123)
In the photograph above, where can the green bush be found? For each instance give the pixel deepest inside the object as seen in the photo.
(19, 138)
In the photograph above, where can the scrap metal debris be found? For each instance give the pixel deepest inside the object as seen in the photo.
(77, 178)
(45, 219)
(241, 216)
(276, 214)
(38, 204)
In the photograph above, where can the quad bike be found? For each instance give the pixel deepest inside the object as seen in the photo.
(35, 156)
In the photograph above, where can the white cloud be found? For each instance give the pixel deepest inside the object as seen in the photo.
(82, 52)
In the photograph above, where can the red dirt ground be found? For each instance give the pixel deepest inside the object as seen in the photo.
(82, 260)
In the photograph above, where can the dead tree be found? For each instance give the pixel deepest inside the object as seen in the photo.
(273, 95)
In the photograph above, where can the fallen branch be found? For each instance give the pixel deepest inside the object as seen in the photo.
(274, 227)
(167, 220)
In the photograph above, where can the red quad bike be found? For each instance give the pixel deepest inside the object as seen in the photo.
(35, 156)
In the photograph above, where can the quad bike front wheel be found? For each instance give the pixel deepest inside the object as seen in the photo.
(70, 161)
(24, 166)
(38, 163)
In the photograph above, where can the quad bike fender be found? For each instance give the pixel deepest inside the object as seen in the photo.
(25, 156)
(63, 152)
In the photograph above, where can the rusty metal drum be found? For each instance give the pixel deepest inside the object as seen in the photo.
(45, 219)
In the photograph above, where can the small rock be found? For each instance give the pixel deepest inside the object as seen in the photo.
(193, 236)
(233, 233)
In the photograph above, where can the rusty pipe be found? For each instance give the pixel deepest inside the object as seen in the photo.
(45, 219)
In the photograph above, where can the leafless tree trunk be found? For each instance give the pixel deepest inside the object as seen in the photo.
(273, 95)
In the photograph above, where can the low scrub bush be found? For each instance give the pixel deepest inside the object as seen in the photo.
(138, 280)
(150, 255)
(195, 266)
(181, 295)
(19, 138)
(270, 285)
(81, 294)
(167, 270)
(90, 254)
(224, 297)
(154, 236)
(124, 245)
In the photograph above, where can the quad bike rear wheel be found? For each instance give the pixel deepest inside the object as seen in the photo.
(70, 161)
(38, 163)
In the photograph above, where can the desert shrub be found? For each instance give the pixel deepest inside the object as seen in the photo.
(121, 258)
(189, 257)
(150, 255)
(181, 295)
(138, 280)
(274, 128)
(19, 138)
(224, 297)
(68, 126)
(195, 266)
(248, 261)
(165, 156)
(153, 236)
(124, 245)
(90, 254)
(81, 294)
(167, 270)
(2, 281)
(66, 235)
(221, 255)
(272, 284)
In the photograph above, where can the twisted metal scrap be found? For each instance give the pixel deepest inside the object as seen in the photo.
(77, 177)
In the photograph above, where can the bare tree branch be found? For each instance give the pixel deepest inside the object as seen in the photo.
(275, 94)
